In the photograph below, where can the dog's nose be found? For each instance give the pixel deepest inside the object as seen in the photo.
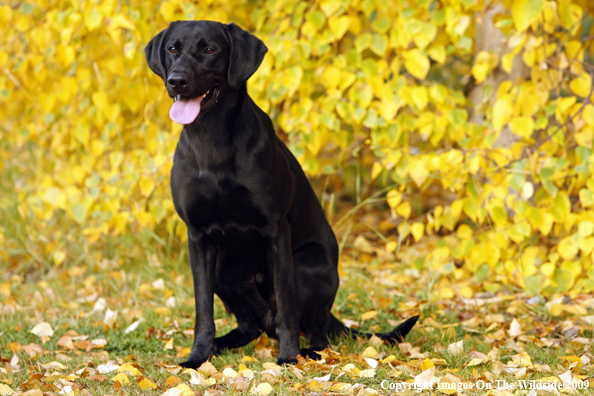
(177, 80)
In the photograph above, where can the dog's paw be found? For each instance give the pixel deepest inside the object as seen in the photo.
(288, 360)
(191, 363)
(311, 353)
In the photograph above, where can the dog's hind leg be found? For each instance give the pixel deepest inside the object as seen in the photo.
(236, 338)
(316, 281)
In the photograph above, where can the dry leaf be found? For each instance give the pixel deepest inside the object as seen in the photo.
(426, 379)
(145, 383)
(42, 329)
(515, 329)
(456, 348)
(261, 390)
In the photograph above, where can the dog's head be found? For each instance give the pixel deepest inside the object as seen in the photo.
(199, 61)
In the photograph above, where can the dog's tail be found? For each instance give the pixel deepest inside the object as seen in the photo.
(337, 328)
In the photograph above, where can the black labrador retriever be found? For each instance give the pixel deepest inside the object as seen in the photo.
(257, 234)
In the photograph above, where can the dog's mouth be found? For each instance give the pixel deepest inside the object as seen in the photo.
(185, 109)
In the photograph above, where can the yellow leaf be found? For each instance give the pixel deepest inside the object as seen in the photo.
(147, 185)
(567, 249)
(42, 329)
(185, 390)
(168, 344)
(446, 293)
(476, 362)
(507, 61)
(262, 390)
(146, 383)
(417, 171)
(522, 126)
(581, 85)
(466, 292)
(417, 230)
(315, 386)
(122, 378)
(416, 63)
(502, 111)
(420, 96)
(370, 351)
(449, 384)
(524, 12)
(207, 369)
(331, 77)
(230, 373)
(376, 169)
(369, 373)
(586, 228)
(555, 309)
(438, 53)
(127, 367)
(394, 198)
(339, 25)
(271, 366)
(5, 390)
(586, 197)
(404, 209)
(369, 315)
(391, 246)
(93, 18)
(426, 364)
(425, 36)
(588, 115)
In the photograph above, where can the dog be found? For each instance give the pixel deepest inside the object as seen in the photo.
(257, 234)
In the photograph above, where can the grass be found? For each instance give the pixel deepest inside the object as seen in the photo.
(138, 274)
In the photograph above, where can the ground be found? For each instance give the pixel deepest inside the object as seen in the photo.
(119, 328)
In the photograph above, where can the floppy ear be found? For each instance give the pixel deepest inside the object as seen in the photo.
(246, 52)
(155, 55)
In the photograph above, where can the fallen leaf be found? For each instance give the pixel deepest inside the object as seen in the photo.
(42, 329)
(426, 379)
(185, 390)
(261, 390)
(128, 368)
(369, 373)
(122, 378)
(5, 390)
(456, 348)
(271, 366)
(426, 364)
(172, 380)
(33, 392)
(515, 329)
(449, 384)
(145, 383)
(230, 373)
(369, 352)
(368, 315)
(168, 344)
(108, 367)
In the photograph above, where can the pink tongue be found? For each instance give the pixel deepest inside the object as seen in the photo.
(185, 111)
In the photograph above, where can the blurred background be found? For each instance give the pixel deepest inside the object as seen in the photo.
(452, 136)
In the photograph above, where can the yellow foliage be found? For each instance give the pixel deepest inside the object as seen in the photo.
(87, 145)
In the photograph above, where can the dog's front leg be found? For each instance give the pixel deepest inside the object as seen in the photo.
(280, 262)
(203, 264)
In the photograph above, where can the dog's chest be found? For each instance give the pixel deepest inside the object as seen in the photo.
(217, 205)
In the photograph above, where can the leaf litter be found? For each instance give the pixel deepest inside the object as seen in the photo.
(503, 339)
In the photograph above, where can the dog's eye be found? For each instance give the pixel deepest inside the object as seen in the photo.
(173, 50)
(208, 50)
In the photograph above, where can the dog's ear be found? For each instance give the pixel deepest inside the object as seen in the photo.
(246, 52)
(155, 54)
